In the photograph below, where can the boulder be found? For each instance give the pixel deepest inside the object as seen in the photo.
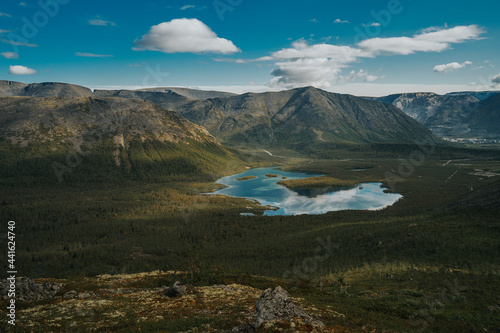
(277, 305)
(176, 289)
(70, 294)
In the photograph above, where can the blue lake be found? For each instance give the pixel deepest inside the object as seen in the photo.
(368, 196)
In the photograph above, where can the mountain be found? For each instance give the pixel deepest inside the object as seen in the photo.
(96, 138)
(166, 99)
(45, 89)
(302, 116)
(485, 120)
(191, 93)
(447, 115)
(480, 95)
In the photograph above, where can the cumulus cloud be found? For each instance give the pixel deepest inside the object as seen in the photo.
(182, 36)
(10, 55)
(92, 55)
(321, 64)
(445, 68)
(496, 79)
(101, 22)
(21, 70)
(340, 21)
(318, 72)
(428, 41)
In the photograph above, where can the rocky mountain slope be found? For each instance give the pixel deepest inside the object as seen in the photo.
(450, 114)
(45, 89)
(485, 120)
(113, 134)
(301, 117)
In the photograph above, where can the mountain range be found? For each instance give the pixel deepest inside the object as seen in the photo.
(293, 118)
(453, 114)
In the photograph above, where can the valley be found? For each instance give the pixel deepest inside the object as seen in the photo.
(137, 206)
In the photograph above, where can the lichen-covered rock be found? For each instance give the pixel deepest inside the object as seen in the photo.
(27, 290)
(176, 289)
(277, 305)
(70, 294)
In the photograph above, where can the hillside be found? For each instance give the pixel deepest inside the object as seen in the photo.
(101, 137)
(302, 116)
(44, 89)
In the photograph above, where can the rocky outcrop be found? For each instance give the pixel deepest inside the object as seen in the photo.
(28, 290)
(275, 305)
(177, 289)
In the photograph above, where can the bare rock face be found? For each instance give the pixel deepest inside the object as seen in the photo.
(176, 289)
(277, 305)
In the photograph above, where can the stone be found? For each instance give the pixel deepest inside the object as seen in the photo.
(176, 289)
(277, 305)
(27, 290)
(70, 294)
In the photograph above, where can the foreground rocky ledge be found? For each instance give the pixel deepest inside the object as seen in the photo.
(131, 302)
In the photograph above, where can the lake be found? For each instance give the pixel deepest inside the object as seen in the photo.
(368, 196)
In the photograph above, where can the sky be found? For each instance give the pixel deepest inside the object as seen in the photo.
(360, 47)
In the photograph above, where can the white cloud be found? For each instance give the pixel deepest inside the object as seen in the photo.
(373, 24)
(434, 41)
(496, 79)
(23, 4)
(314, 20)
(21, 70)
(5, 14)
(445, 68)
(11, 42)
(10, 55)
(340, 21)
(184, 35)
(92, 55)
(4, 31)
(101, 22)
(372, 78)
(187, 7)
(321, 65)
(318, 72)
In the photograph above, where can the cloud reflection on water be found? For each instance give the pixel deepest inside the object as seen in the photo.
(366, 196)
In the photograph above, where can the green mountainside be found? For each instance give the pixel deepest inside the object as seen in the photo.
(101, 138)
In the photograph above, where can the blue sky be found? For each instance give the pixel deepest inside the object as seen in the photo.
(365, 47)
